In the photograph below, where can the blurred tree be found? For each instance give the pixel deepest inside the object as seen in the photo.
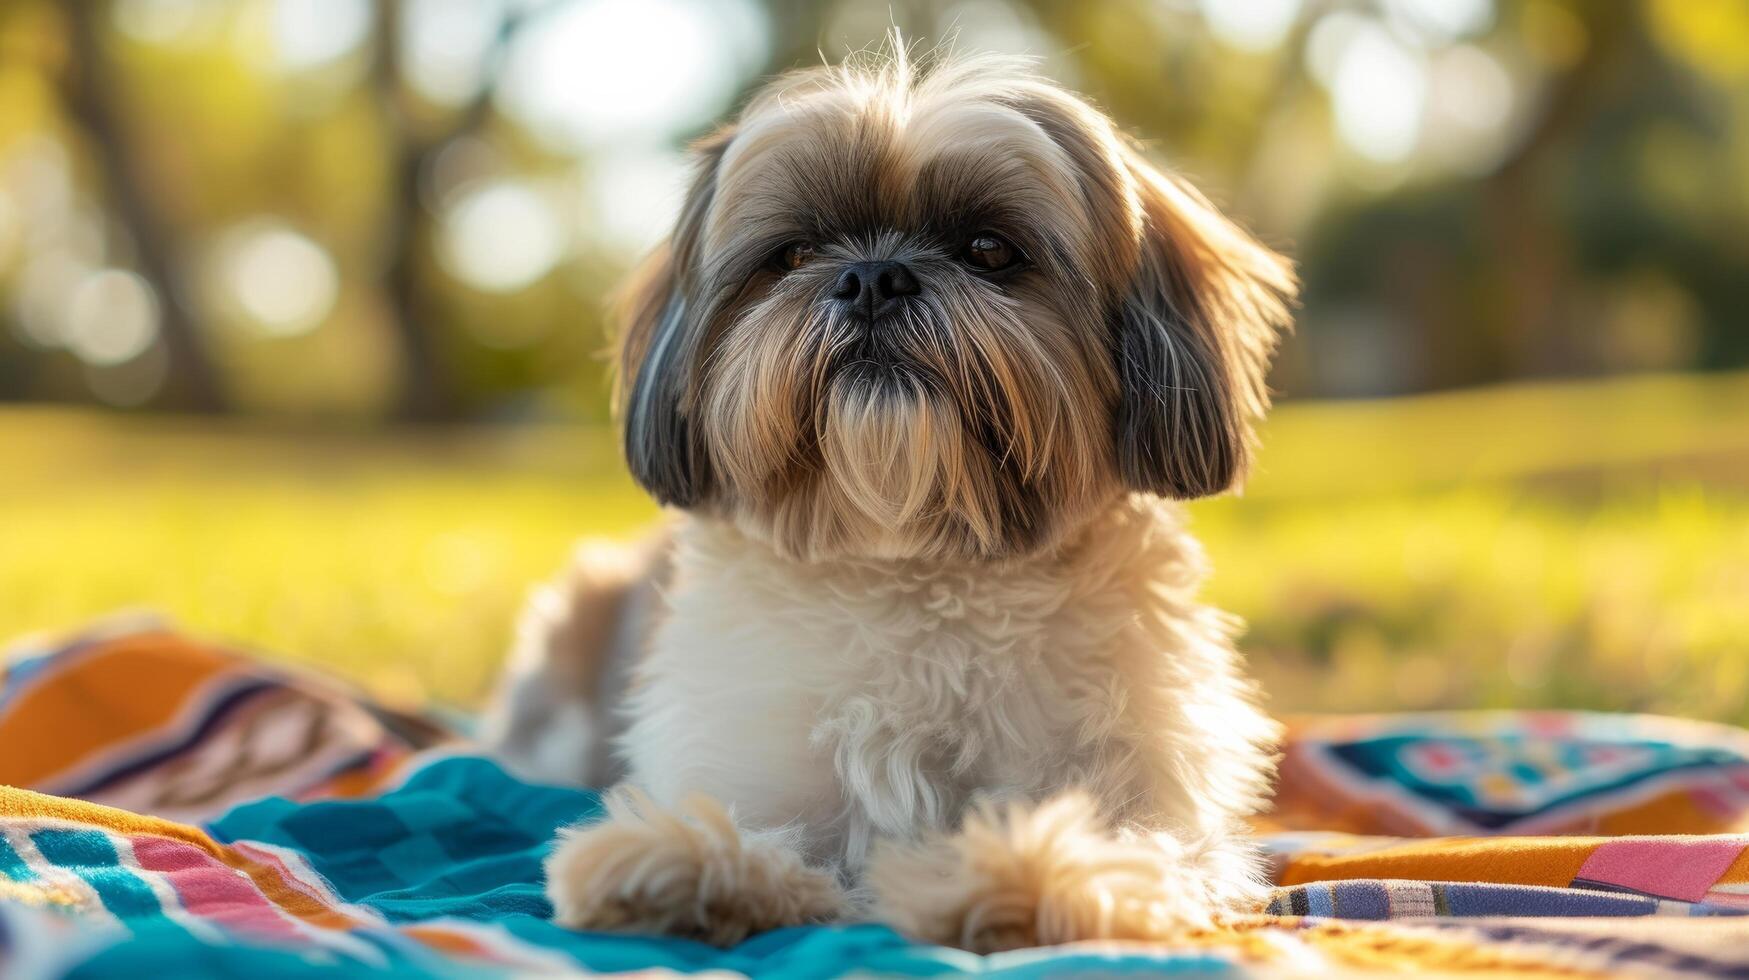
(427, 393)
(193, 383)
(427, 390)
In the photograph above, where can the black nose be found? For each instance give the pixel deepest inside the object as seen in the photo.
(874, 289)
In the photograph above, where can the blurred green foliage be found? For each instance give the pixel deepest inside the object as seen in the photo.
(1452, 550)
(357, 209)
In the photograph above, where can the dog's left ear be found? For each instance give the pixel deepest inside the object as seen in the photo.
(658, 351)
(1193, 336)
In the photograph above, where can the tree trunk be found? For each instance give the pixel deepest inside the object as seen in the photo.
(193, 383)
(1521, 218)
(427, 394)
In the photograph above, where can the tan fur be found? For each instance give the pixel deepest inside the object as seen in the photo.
(931, 631)
(790, 461)
(1023, 875)
(577, 638)
(687, 872)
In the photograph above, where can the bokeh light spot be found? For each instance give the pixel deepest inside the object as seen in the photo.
(634, 198)
(1379, 90)
(112, 317)
(1251, 25)
(443, 46)
(1329, 38)
(1436, 23)
(602, 70)
(41, 179)
(994, 25)
(281, 280)
(1470, 103)
(168, 22)
(42, 295)
(310, 33)
(501, 237)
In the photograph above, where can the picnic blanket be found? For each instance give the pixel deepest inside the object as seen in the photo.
(177, 807)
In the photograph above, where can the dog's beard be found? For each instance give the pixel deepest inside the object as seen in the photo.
(889, 444)
(951, 428)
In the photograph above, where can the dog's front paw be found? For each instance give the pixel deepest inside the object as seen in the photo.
(1022, 875)
(688, 873)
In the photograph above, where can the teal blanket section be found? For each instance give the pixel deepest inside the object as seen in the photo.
(801, 954)
(462, 839)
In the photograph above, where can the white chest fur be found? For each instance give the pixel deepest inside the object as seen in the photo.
(859, 700)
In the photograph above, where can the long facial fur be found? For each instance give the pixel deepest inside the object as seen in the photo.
(994, 415)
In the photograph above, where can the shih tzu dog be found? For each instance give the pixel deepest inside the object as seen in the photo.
(924, 361)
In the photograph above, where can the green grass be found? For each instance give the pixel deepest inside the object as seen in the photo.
(1571, 545)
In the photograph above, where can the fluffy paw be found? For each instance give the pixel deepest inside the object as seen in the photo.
(1021, 876)
(688, 873)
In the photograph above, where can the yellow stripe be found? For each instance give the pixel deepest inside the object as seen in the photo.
(24, 804)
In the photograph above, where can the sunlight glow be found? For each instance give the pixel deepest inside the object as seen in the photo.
(633, 198)
(501, 237)
(283, 281)
(1469, 109)
(605, 70)
(1379, 90)
(443, 46)
(169, 22)
(112, 317)
(1473, 90)
(1329, 38)
(41, 296)
(1251, 25)
(994, 25)
(1436, 23)
(40, 178)
(310, 33)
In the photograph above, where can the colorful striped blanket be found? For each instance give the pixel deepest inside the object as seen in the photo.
(176, 808)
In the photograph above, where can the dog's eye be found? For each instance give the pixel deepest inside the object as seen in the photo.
(794, 255)
(990, 252)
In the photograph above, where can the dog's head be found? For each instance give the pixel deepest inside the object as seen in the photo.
(942, 313)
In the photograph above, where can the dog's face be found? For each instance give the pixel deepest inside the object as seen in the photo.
(943, 314)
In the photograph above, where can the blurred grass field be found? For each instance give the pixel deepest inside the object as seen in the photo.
(1582, 544)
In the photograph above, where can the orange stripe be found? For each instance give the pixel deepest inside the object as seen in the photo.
(363, 780)
(1508, 860)
(1673, 812)
(1738, 872)
(127, 687)
(445, 941)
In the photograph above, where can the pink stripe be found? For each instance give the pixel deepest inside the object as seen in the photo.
(1682, 868)
(211, 890)
(1720, 799)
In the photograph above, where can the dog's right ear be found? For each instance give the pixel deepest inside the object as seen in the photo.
(1194, 338)
(659, 352)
